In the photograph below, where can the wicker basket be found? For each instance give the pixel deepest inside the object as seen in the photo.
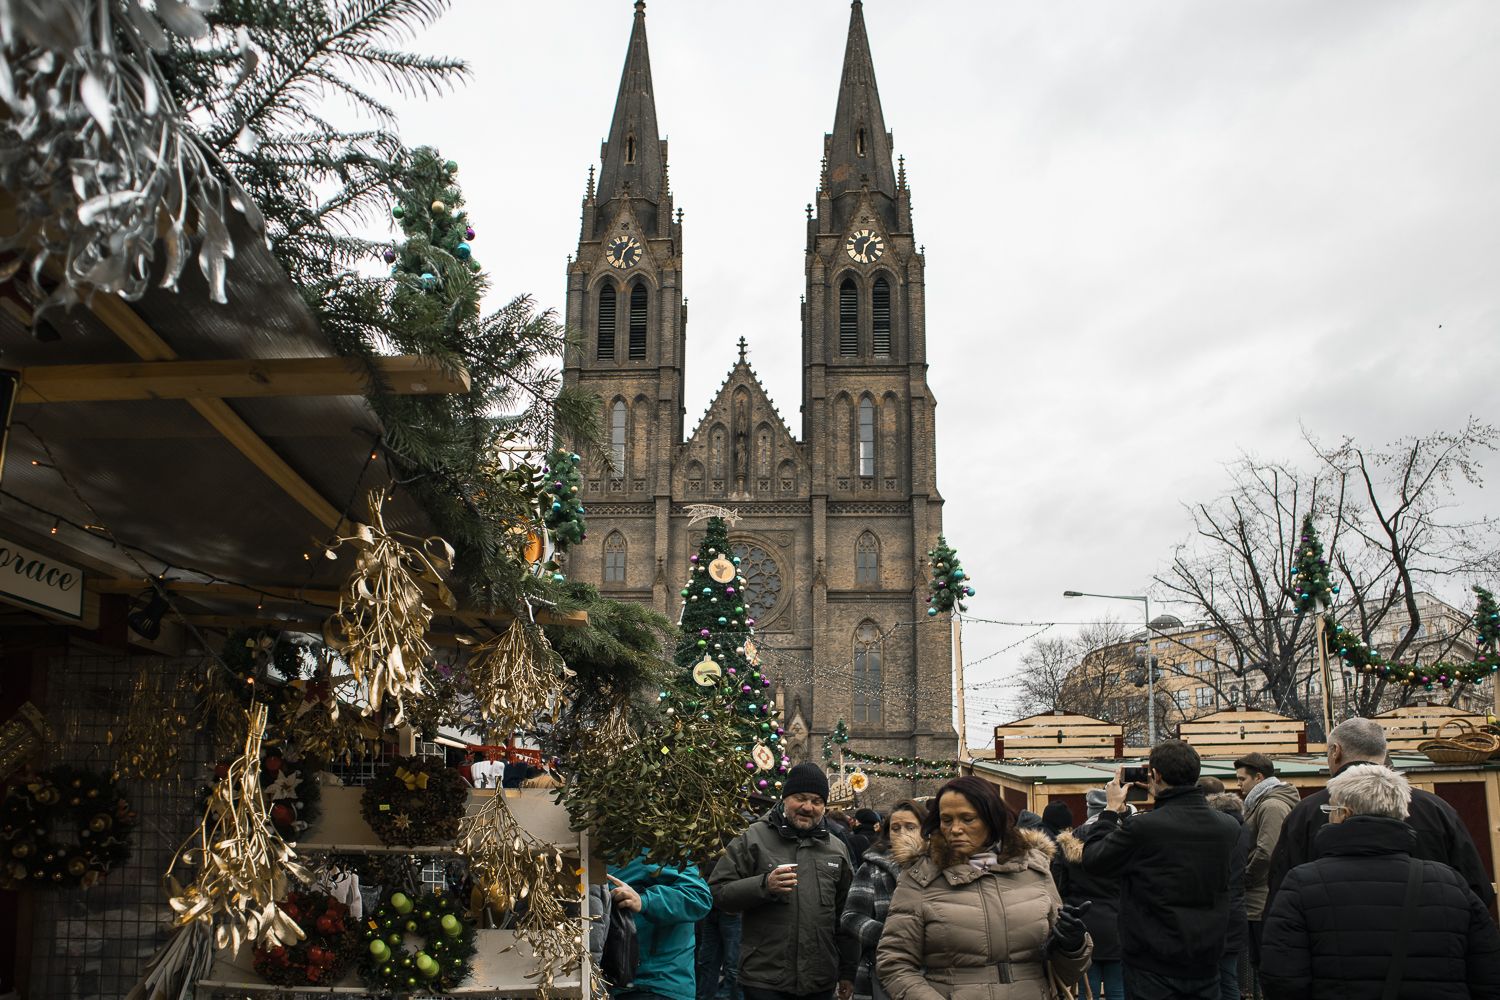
(1467, 746)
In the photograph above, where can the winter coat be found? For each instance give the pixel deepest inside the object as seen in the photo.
(1077, 885)
(1173, 866)
(955, 932)
(792, 944)
(1332, 929)
(1264, 819)
(1237, 937)
(866, 908)
(1441, 836)
(673, 900)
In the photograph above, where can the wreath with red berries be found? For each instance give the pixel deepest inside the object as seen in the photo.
(415, 800)
(290, 787)
(321, 958)
(445, 944)
(35, 811)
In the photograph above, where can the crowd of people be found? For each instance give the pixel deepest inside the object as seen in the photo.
(1365, 888)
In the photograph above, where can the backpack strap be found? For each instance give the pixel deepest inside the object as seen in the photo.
(1397, 968)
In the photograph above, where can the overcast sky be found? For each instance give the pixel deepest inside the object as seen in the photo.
(1158, 233)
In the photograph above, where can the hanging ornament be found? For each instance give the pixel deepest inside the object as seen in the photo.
(721, 570)
(439, 207)
(752, 653)
(706, 672)
(763, 756)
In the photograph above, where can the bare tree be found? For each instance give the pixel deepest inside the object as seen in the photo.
(1099, 673)
(1388, 520)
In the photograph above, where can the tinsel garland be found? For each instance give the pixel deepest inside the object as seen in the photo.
(911, 768)
(39, 854)
(380, 627)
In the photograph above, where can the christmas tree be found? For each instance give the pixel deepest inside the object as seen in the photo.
(948, 584)
(1487, 641)
(436, 261)
(718, 655)
(1311, 585)
(562, 507)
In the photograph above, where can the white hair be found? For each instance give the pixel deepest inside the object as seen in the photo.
(1371, 791)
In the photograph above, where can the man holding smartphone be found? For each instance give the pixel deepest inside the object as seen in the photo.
(788, 878)
(1173, 865)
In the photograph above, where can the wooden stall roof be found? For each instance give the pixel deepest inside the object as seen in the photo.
(1408, 726)
(1236, 732)
(1056, 736)
(1295, 769)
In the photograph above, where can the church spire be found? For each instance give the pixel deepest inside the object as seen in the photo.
(859, 149)
(633, 159)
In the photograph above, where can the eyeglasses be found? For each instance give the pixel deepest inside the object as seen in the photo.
(1329, 807)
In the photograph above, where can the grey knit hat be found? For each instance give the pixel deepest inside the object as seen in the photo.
(1095, 800)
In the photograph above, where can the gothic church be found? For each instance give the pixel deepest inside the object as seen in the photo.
(834, 528)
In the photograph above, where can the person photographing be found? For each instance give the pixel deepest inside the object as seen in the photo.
(1173, 865)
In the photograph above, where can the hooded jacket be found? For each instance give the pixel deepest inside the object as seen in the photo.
(1265, 812)
(1075, 885)
(792, 943)
(1332, 928)
(1173, 864)
(673, 900)
(957, 931)
(870, 900)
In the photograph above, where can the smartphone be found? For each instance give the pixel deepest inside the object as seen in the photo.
(1136, 774)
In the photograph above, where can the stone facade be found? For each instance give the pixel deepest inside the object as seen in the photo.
(834, 527)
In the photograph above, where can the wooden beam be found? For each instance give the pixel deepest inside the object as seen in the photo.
(232, 379)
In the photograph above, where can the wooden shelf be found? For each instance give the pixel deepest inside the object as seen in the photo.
(341, 826)
(499, 968)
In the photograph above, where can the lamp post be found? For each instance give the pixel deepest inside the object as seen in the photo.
(1150, 668)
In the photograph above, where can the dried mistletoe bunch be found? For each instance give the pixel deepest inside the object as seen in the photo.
(243, 864)
(380, 627)
(515, 678)
(510, 867)
(149, 744)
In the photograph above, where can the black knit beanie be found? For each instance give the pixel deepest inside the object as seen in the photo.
(806, 777)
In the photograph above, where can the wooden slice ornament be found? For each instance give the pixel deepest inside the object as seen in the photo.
(752, 653)
(764, 757)
(858, 781)
(706, 672)
(721, 570)
(534, 547)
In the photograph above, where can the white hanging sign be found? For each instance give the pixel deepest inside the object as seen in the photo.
(29, 578)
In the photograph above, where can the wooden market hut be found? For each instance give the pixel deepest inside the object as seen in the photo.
(214, 445)
(1033, 781)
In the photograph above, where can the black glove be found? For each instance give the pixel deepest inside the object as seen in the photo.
(1069, 932)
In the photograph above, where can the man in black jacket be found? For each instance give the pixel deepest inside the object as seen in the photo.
(1441, 835)
(1173, 864)
(1367, 920)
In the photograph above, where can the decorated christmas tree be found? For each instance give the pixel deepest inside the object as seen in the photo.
(562, 507)
(1487, 638)
(948, 584)
(719, 657)
(437, 255)
(1311, 585)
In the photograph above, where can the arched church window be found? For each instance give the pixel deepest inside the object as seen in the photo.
(859, 142)
(848, 319)
(606, 329)
(638, 297)
(867, 682)
(880, 311)
(866, 437)
(867, 560)
(617, 439)
(630, 149)
(614, 558)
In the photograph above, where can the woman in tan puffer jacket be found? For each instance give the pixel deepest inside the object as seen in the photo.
(979, 917)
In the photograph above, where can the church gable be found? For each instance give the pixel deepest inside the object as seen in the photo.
(741, 448)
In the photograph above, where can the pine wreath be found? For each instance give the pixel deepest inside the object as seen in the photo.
(320, 959)
(34, 813)
(415, 800)
(445, 944)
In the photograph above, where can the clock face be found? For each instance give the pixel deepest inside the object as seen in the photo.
(623, 251)
(864, 246)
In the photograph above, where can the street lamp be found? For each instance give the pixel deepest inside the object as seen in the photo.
(1150, 669)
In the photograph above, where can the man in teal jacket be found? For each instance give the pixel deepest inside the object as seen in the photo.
(667, 903)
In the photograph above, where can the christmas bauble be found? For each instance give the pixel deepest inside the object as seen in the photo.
(438, 206)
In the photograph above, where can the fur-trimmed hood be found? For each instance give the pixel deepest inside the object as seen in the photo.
(1070, 847)
(1019, 850)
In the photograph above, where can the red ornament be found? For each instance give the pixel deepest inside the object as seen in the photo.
(283, 815)
(328, 924)
(273, 764)
(221, 771)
